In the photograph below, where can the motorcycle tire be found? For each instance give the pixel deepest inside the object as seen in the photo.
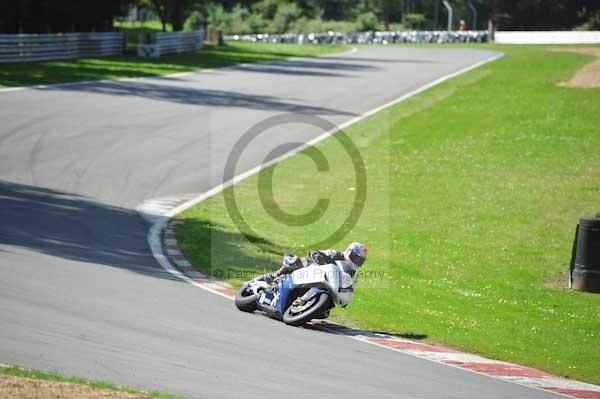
(318, 308)
(245, 300)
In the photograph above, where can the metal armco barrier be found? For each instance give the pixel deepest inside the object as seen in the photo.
(370, 37)
(171, 42)
(33, 47)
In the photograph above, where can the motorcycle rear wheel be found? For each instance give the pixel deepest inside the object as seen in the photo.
(296, 319)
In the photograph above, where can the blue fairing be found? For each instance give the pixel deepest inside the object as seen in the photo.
(285, 287)
(280, 295)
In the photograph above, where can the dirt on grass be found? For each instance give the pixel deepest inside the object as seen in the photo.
(12, 387)
(589, 75)
(558, 281)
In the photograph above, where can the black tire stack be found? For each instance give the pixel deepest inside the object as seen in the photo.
(585, 263)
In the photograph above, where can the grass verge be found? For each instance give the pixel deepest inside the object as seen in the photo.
(474, 190)
(128, 66)
(70, 390)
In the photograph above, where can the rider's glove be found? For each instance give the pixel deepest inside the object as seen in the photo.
(269, 277)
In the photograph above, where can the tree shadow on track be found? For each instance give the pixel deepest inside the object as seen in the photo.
(326, 67)
(76, 228)
(160, 90)
(382, 60)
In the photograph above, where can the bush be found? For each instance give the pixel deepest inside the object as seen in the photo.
(256, 23)
(397, 27)
(272, 16)
(301, 25)
(304, 25)
(414, 21)
(286, 15)
(367, 21)
(266, 8)
(593, 21)
(338, 26)
(218, 18)
(238, 20)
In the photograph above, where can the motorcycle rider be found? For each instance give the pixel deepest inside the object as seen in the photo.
(352, 258)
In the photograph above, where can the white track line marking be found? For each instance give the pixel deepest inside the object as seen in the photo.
(545, 382)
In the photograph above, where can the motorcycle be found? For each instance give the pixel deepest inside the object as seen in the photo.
(296, 298)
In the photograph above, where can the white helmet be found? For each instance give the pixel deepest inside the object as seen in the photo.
(356, 254)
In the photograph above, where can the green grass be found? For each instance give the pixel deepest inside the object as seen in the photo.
(474, 190)
(99, 385)
(127, 66)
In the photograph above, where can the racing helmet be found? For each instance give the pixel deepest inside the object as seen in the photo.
(356, 254)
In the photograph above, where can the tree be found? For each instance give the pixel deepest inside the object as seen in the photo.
(36, 16)
(387, 10)
(367, 21)
(541, 14)
(178, 14)
(286, 14)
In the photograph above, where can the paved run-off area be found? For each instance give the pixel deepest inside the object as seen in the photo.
(80, 292)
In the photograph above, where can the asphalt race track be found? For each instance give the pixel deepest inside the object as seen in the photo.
(80, 292)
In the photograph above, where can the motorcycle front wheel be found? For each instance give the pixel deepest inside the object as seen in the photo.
(297, 316)
(245, 300)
